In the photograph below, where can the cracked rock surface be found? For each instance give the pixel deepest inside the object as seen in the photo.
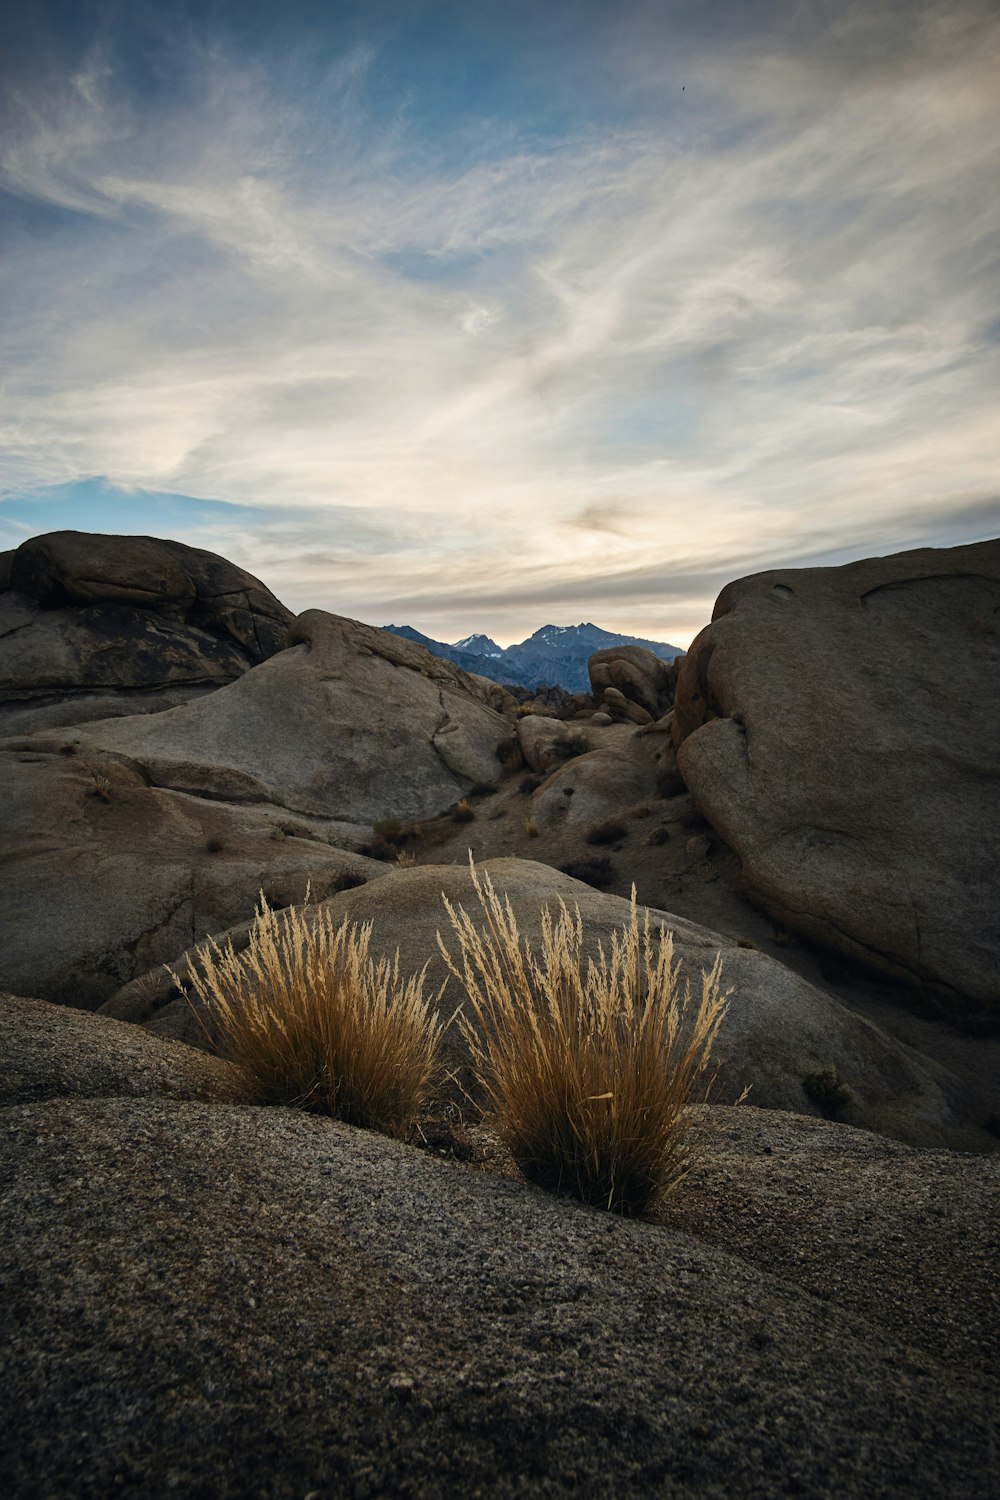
(103, 877)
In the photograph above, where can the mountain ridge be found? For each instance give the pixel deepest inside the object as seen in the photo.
(553, 655)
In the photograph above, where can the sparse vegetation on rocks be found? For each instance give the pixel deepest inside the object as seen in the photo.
(589, 1066)
(318, 1022)
(607, 831)
(597, 871)
(827, 1089)
(573, 745)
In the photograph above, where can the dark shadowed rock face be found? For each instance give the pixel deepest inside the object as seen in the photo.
(840, 727)
(97, 615)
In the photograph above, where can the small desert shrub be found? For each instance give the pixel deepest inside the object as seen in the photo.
(531, 827)
(529, 784)
(214, 846)
(609, 831)
(571, 745)
(509, 753)
(379, 849)
(394, 832)
(346, 880)
(406, 859)
(463, 811)
(101, 787)
(827, 1089)
(598, 871)
(318, 1022)
(659, 835)
(589, 1069)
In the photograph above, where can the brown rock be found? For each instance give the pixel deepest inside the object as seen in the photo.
(546, 743)
(840, 727)
(86, 618)
(624, 675)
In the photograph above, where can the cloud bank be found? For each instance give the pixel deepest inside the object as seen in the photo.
(478, 323)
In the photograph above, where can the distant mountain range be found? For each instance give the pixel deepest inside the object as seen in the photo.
(554, 655)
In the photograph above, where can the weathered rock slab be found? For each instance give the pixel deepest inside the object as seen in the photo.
(349, 723)
(840, 727)
(103, 877)
(546, 743)
(56, 1051)
(230, 1301)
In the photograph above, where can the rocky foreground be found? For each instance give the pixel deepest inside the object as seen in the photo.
(203, 1296)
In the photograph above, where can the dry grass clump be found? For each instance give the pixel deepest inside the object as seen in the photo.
(571, 745)
(589, 1068)
(608, 831)
(318, 1022)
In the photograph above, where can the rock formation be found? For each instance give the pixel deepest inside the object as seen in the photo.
(210, 1298)
(348, 723)
(147, 830)
(840, 728)
(91, 626)
(203, 1296)
(779, 1031)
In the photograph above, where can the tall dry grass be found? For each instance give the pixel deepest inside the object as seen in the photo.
(590, 1068)
(318, 1022)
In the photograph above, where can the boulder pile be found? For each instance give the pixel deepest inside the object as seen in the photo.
(631, 684)
(203, 1296)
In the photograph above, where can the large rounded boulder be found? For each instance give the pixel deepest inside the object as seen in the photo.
(90, 625)
(349, 723)
(840, 728)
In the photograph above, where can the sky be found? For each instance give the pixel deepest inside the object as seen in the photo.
(478, 316)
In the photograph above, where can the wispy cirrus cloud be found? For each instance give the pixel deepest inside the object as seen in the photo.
(718, 297)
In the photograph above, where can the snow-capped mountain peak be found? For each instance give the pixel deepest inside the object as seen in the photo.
(479, 645)
(555, 654)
